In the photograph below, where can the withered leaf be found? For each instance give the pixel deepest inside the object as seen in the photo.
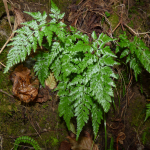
(50, 81)
(84, 143)
(22, 86)
(43, 95)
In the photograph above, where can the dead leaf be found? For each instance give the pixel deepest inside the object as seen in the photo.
(22, 86)
(43, 95)
(65, 145)
(85, 142)
(51, 82)
(121, 137)
(18, 16)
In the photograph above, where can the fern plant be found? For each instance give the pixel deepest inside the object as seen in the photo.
(82, 68)
(26, 139)
(137, 54)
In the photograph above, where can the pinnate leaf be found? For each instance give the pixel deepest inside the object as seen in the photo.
(147, 111)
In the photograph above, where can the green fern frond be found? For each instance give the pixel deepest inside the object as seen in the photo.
(65, 107)
(42, 66)
(48, 33)
(137, 53)
(54, 8)
(38, 16)
(55, 11)
(26, 139)
(24, 42)
(97, 116)
(82, 114)
(93, 35)
(147, 111)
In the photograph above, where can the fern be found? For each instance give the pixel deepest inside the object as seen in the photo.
(138, 55)
(83, 68)
(26, 40)
(26, 139)
(147, 111)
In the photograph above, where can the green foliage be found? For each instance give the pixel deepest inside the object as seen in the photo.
(144, 137)
(83, 68)
(147, 111)
(111, 144)
(107, 14)
(138, 55)
(26, 139)
(141, 86)
(54, 141)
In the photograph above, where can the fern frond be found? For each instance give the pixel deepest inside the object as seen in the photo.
(54, 8)
(82, 114)
(147, 111)
(65, 107)
(23, 43)
(26, 139)
(16, 55)
(42, 67)
(97, 116)
(93, 35)
(140, 54)
(55, 11)
(48, 33)
(38, 16)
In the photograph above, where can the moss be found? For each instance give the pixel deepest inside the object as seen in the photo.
(77, 2)
(137, 114)
(54, 141)
(131, 24)
(114, 19)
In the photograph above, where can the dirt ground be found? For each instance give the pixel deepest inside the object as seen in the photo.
(41, 121)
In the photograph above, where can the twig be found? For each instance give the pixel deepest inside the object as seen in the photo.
(6, 93)
(15, 27)
(121, 19)
(38, 126)
(143, 33)
(6, 42)
(130, 29)
(7, 12)
(134, 31)
(116, 27)
(2, 64)
(131, 97)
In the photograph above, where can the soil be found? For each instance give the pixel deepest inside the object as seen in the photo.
(41, 121)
